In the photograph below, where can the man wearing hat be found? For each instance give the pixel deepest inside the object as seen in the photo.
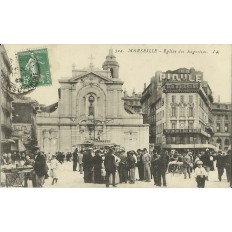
(187, 164)
(200, 174)
(88, 166)
(110, 167)
(147, 165)
(140, 164)
(40, 167)
(220, 164)
(205, 158)
(75, 159)
(227, 160)
(123, 166)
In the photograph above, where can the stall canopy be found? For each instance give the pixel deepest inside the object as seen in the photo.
(18, 146)
(7, 141)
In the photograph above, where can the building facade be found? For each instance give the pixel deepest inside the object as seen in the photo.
(132, 103)
(222, 125)
(6, 99)
(90, 108)
(177, 105)
(24, 123)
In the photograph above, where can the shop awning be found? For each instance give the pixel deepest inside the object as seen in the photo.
(7, 141)
(18, 146)
(189, 146)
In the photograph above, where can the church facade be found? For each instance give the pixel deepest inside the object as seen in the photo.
(90, 108)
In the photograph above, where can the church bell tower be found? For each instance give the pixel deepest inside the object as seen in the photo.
(111, 64)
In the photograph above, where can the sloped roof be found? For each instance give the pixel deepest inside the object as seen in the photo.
(129, 110)
(50, 108)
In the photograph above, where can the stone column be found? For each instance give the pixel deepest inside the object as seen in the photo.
(62, 102)
(120, 103)
(73, 103)
(66, 101)
(110, 103)
(115, 103)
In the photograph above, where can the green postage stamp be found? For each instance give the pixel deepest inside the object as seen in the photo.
(34, 68)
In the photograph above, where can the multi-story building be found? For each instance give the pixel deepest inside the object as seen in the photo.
(222, 125)
(132, 103)
(177, 105)
(148, 100)
(6, 99)
(24, 123)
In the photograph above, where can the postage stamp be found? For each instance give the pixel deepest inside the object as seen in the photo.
(34, 68)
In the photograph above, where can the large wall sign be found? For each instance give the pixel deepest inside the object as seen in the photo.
(181, 75)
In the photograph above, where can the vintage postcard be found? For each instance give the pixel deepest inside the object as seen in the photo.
(126, 116)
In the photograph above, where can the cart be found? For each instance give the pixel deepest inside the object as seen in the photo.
(17, 177)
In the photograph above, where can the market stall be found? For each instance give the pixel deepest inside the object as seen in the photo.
(18, 177)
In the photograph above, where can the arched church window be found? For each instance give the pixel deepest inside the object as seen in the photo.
(91, 107)
(112, 71)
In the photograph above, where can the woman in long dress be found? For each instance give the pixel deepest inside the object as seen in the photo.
(135, 155)
(97, 165)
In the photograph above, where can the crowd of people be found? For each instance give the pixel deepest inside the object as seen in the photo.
(113, 165)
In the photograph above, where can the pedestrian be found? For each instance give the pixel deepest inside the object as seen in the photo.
(97, 165)
(136, 168)
(211, 162)
(229, 153)
(75, 158)
(163, 166)
(131, 162)
(180, 163)
(172, 165)
(29, 162)
(47, 157)
(53, 169)
(140, 164)
(80, 161)
(62, 157)
(200, 174)
(88, 166)
(103, 171)
(147, 165)
(220, 164)
(117, 162)
(110, 167)
(8, 158)
(187, 165)
(197, 158)
(123, 167)
(227, 161)
(205, 158)
(40, 168)
(155, 168)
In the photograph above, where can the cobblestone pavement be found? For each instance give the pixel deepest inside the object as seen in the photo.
(70, 179)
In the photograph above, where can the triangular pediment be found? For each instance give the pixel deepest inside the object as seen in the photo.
(91, 76)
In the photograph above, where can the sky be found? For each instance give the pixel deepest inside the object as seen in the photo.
(136, 67)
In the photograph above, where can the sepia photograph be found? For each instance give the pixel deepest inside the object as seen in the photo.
(115, 116)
